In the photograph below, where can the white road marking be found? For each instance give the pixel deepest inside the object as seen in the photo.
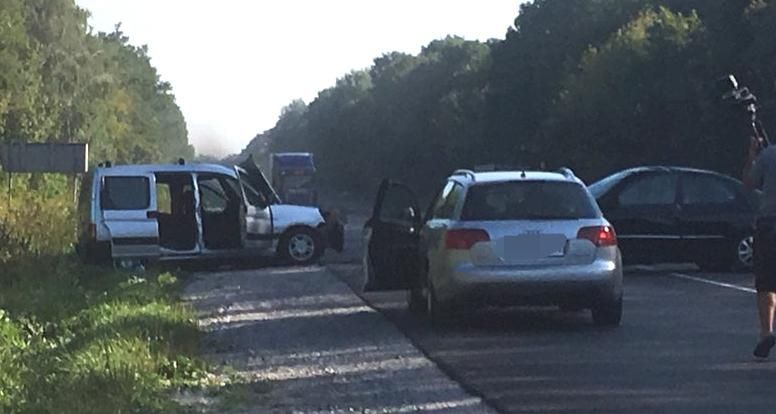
(712, 282)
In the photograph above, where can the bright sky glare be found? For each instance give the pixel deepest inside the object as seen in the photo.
(234, 64)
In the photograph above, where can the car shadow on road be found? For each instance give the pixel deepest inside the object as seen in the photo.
(516, 320)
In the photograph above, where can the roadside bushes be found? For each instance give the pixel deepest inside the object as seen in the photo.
(36, 224)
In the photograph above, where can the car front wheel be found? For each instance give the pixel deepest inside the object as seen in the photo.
(300, 246)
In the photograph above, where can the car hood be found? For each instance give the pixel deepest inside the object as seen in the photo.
(285, 215)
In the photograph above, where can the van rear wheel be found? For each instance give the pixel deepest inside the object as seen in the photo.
(300, 246)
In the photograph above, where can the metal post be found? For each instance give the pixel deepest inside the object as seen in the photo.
(74, 183)
(10, 185)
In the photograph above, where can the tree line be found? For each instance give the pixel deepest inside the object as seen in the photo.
(61, 82)
(596, 85)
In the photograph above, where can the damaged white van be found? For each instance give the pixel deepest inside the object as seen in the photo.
(191, 211)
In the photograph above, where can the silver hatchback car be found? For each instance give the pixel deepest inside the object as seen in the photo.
(496, 239)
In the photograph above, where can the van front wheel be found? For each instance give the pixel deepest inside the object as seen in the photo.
(300, 246)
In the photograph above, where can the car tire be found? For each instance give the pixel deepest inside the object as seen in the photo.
(608, 312)
(744, 252)
(300, 246)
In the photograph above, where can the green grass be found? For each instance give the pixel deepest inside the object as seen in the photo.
(85, 340)
(82, 339)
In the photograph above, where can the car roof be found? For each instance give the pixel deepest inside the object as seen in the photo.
(492, 177)
(166, 168)
(667, 168)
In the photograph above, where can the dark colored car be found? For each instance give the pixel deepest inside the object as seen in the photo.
(676, 215)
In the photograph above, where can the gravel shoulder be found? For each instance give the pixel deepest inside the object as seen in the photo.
(312, 346)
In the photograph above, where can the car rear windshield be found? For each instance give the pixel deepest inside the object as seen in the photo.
(125, 193)
(529, 200)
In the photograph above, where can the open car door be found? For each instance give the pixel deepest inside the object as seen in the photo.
(258, 181)
(128, 204)
(391, 254)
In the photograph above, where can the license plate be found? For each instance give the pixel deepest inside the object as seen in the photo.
(534, 246)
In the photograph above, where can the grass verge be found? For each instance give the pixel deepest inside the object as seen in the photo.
(77, 339)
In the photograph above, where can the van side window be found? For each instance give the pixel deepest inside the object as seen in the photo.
(125, 193)
(213, 195)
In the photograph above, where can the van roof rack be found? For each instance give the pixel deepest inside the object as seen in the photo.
(468, 173)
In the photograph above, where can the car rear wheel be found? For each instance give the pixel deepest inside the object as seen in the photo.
(745, 252)
(608, 312)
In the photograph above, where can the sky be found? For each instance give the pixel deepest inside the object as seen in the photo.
(234, 64)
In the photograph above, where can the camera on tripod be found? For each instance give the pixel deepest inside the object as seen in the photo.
(741, 97)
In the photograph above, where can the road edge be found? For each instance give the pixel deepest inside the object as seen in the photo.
(443, 367)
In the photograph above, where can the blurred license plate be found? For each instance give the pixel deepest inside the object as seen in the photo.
(534, 246)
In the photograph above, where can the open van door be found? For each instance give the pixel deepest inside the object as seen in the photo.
(392, 256)
(255, 177)
(129, 211)
(259, 197)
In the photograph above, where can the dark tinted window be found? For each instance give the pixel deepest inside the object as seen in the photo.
(125, 193)
(543, 200)
(396, 204)
(657, 189)
(707, 189)
(600, 187)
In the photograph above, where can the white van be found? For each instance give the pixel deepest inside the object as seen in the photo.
(190, 211)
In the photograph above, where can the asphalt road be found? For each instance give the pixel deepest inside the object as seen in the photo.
(684, 347)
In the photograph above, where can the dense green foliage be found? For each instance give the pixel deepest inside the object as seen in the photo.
(75, 339)
(596, 85)
(60, 82)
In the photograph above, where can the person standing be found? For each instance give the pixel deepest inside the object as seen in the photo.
(760, 172)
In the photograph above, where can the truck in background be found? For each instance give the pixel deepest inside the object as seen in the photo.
(293, 177)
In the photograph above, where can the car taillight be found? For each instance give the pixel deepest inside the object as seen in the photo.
(464, 239)
(601, 236)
